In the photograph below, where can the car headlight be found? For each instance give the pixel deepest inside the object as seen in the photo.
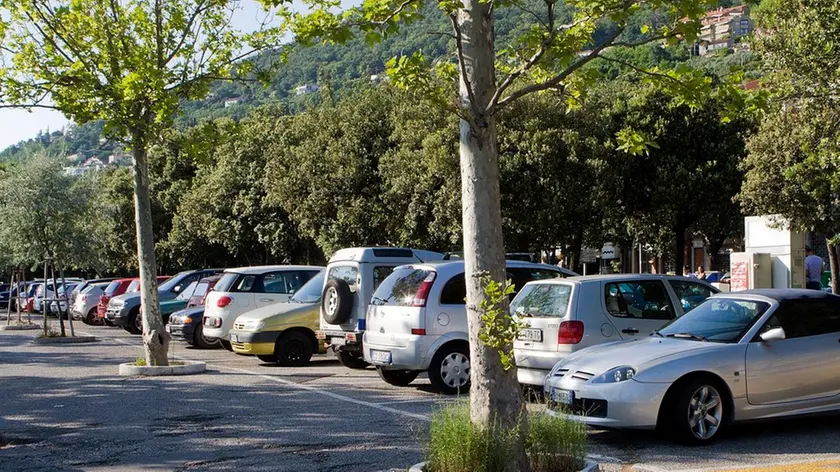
(616, 374)
(253, 325)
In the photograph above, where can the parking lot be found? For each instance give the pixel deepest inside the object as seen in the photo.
(62, 407)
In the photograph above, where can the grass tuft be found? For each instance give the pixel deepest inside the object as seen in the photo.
(457, 445)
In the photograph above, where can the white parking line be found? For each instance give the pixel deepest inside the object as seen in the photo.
(298, 386)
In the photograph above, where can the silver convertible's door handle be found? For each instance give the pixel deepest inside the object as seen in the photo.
(266, 299)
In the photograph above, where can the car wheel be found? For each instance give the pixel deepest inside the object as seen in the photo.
(294, 349)
(135, 323)
(449, 371)
(199, 340)
(267, 358)
(696, 411)
(226, 345)
(350, 360)
(337, 301)
(400, 378)
(91, 318)
(108, 322)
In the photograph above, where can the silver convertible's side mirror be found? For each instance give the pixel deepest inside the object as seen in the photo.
(775, 334)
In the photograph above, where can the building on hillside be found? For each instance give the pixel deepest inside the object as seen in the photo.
(306, 89)
(721, 28)
(118, 159)
(233, 101)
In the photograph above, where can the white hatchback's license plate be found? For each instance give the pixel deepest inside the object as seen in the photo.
(531, 334)
(380, 357)
(562, 397)
(337, 341)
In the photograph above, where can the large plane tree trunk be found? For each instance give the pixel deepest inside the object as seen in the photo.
(495, 395)
(155, 338)
(834, 265)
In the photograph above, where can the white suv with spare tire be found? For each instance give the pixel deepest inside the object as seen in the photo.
(417, 322)
(353, 275)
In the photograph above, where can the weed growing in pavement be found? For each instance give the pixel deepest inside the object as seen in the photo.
(51, 333)
(457, 445)
(140, 361)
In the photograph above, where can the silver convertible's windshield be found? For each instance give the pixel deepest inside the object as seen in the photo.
(723, 320)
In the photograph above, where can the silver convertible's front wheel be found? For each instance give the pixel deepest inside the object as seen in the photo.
(705, 412)
(696, 410)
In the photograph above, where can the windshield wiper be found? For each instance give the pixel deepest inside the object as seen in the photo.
(687, 336)
(656, 333)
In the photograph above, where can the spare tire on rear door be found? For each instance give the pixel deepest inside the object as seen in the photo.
(337, 301)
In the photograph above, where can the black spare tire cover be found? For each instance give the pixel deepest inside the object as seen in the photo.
(336, 301)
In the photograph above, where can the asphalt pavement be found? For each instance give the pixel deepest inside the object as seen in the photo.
(64, 408)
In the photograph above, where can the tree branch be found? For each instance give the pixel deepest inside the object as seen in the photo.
(638, 69)
(533, 60)
(459, 39)
(554, 81)
(199, 9)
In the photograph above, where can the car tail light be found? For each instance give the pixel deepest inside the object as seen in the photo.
(418, 331)
(423, 292)
(570, 332)
(223, 301)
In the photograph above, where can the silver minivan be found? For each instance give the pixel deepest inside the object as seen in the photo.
(566, 315)
(417, 322)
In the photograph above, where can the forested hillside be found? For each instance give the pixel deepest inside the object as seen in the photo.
(333, 67)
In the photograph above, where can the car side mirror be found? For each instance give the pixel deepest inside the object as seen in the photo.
(775, 334)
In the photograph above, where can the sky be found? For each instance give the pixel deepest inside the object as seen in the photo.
(19, 125)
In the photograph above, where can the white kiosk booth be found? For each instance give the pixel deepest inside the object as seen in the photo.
(773, 257)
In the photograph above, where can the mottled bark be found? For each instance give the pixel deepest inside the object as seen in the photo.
(155, 338)
(495, 395)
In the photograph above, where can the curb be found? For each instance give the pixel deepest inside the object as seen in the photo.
(18, 327)
(589, 467)
(189, 367)
(66, 340)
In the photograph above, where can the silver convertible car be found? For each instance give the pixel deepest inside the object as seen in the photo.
(757, 354)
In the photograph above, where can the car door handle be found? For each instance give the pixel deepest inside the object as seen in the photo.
(266, 299)
(630, 331)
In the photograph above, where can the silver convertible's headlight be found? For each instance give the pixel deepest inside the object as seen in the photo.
(253, 325)
(616, 374)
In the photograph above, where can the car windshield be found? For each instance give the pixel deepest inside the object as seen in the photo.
(166, 286)
(723, 320)
(311, 291)
(188, 292)
(401, 288)
(226, 282)
(134, 286)
(542, 300)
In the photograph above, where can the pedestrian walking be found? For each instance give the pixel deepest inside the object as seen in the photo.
(814, 266)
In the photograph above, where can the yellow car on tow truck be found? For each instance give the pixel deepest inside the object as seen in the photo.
(282, 333)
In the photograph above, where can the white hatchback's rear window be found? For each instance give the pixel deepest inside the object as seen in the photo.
(542, 300)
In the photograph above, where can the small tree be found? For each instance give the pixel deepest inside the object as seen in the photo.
(129, 63)
(42, 212)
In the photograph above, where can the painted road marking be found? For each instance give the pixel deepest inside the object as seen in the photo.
(810, 466)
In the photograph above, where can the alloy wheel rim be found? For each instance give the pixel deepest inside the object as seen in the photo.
(138, 322)
(705, 412)
(455, 370)
(332, 300)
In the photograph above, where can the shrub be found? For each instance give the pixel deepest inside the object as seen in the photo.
(457, 445)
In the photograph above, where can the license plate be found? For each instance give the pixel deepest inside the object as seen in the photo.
(234, 338)
(531, 334)
(337, 341)
(380, 357)
(562, 397)
(168, 329)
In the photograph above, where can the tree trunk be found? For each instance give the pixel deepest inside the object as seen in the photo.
(834, 266)
(67, 296)
(46, 306)
(45, 294)
(680, 250)
(155, 338)
(495, 396)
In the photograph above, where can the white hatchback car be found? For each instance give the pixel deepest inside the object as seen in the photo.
(248, 288)
(85, 304)
(565, 316)
(417, 321)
